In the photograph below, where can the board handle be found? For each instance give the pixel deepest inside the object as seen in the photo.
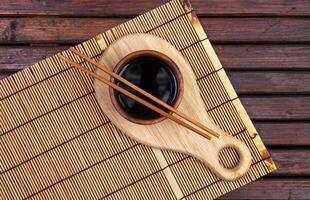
(245, 158)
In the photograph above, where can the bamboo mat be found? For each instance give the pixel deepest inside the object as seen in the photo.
(56, 143)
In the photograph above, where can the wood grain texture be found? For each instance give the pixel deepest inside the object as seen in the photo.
(291, 162)
(257, 30)
(280, 108)
(120, 8)
(77, 8)
(233, 57)
(53, 30)
(271, 82)
(273, 188)
(264, 57)
(15, 58)
(75, 30)
(284, 133)
(251, 8)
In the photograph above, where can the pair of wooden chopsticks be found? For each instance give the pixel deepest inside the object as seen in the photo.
(136, 98)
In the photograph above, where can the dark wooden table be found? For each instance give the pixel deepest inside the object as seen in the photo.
(264, 46)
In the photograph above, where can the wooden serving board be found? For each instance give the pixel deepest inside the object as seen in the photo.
(166, 134)
(57, 143)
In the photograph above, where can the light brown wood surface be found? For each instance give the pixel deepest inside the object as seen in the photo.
(167, 134)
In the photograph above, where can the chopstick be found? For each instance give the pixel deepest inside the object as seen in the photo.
(141, 91)
(134, 97)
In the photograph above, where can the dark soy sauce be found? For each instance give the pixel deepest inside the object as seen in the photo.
(152, 75)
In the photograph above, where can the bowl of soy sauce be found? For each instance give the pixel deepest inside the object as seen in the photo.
(155, 73)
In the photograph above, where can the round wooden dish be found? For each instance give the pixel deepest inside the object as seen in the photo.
(174, 68)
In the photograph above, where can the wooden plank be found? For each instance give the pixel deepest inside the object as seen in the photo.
(15, 58)
(274, 82)
(264, 57)
(284, 133)
(251, 8)
(291, 162)
(273, 188)
(257, 30)
(233, 57)
(53, 30)
(77, 8)
(277, 107)
(120, 8)
(73, 30)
